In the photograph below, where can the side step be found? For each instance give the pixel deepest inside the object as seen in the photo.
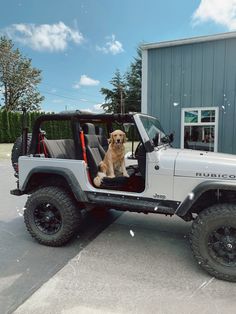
(133, 204)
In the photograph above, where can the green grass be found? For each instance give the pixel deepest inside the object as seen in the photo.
(5, 151)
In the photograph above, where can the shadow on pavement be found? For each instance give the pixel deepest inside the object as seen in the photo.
(25, 264)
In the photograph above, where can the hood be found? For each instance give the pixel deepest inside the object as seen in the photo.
(192, 163)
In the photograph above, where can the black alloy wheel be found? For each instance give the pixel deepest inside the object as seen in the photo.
(222, 245)
(52, 216)
(47, 218)
(213, 240)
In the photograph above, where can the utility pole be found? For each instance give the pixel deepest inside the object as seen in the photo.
(120, 88)
(122, 102)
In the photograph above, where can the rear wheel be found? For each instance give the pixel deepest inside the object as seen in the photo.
(52, 216)
(213, 240)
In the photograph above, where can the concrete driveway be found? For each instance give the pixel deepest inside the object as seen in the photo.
(139, 264)
(24, 264)
(135, 264)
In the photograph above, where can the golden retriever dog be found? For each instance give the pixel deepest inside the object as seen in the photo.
(113, 163)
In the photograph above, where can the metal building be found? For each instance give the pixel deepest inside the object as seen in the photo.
(190, 85)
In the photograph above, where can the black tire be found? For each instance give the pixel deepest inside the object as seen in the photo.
(213, 241)
(52, 216)
(17, 150)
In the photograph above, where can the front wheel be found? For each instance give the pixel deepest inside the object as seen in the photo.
(51, 216)
(213, 241)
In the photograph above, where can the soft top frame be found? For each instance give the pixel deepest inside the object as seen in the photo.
(75, 118)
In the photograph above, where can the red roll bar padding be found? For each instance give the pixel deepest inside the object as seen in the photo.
(82, 140)
(83, 146)
(41, 141)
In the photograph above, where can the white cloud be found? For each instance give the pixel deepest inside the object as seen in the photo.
(221, 12)
(83, 99)
(87, 109)
(94, 109)
(112, 46)
(49, 37)
(98, 108)
(76, 85)
(86, 81)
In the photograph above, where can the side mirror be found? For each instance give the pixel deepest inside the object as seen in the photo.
(156, 139)
(168, 138)
(171, 137)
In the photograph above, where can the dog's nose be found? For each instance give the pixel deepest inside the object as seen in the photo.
(118, 140)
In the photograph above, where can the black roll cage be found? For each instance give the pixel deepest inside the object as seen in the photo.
(76, 119)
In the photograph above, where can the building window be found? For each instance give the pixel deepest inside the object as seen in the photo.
(199, 128)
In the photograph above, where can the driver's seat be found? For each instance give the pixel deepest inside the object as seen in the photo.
(94, 150)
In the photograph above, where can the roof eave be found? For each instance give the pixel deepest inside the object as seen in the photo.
(188, 41)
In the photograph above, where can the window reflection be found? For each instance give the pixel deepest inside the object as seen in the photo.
(208, 116)
(191, 116)
(199, 137)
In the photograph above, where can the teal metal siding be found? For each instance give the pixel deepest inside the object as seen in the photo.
(194, 75)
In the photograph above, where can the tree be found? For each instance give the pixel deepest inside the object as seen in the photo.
(5, 125)
(133, 79)
(114, 97)
(125, 95)
(18, 79)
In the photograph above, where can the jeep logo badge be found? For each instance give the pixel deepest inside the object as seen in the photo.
(159, 196)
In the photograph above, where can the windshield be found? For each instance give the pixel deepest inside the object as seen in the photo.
(153, 128)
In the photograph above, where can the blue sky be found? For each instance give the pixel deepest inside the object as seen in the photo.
(78, 44)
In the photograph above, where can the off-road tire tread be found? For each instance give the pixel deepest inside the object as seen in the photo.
(216, 210)
(72, 220)
(16, 151)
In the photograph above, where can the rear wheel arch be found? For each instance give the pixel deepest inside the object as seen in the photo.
(62, 178)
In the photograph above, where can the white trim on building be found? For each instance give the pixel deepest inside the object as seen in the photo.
(187, 41)
(144, 81)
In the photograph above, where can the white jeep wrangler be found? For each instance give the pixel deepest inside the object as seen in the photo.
(57, 174)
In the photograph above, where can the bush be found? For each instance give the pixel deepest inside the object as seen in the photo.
(11, 126)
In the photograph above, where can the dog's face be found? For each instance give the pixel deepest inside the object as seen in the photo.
(118, 137)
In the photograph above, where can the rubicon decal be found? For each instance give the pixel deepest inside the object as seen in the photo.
(216, 175)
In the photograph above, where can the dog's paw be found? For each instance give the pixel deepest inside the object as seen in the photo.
(112, 176)
(126, 175)
(101, 175)
(97, 181)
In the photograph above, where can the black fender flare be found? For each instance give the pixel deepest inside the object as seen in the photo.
(67, 174)
(201, 188)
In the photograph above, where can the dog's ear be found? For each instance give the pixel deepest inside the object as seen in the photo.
(111, 139)
(124, 137)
